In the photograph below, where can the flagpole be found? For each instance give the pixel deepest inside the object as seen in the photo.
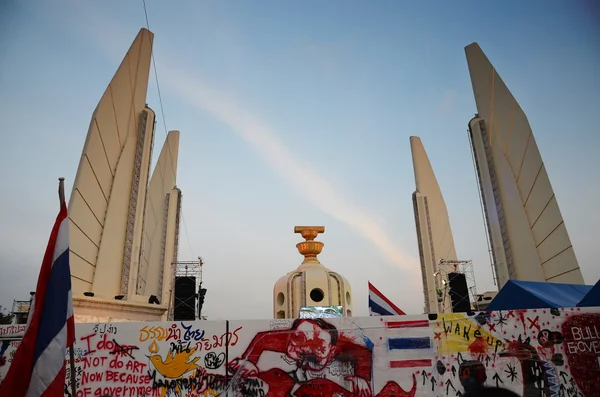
(61, 197)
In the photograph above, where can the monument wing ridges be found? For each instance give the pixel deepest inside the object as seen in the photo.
(100, 200)
(434, 234)
(540, 247)
(427, 185)
(155, 245)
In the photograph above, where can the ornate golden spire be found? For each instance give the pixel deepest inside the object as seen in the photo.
(310, 248)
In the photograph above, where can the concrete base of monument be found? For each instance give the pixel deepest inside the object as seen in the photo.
(95, 309)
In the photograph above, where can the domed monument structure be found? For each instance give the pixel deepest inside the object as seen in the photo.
(311, 284)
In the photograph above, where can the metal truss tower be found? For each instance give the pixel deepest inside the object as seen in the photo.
(464, 267)
(185, 269)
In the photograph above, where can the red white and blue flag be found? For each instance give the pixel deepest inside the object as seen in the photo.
(409, 343)
(38, 367)
(379, 305)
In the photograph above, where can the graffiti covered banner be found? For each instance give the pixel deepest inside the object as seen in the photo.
(538, 352)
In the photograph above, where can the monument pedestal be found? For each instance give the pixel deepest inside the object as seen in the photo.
(94, 310)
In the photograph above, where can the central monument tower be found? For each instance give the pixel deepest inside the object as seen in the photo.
(311, 284)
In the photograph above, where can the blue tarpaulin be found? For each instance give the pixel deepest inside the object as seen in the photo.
(535, 295)
(592, 298)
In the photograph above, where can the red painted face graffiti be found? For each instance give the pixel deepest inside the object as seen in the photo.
(519, 349)
(310, 346)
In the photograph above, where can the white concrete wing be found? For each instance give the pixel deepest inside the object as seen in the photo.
(531, 240)
(158, 245)
(101, 201)
(433, 229)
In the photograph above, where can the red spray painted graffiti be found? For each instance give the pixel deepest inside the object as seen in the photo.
(321, 361)
(538, 352)
(582, 344)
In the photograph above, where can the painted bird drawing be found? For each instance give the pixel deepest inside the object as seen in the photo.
(176, 364)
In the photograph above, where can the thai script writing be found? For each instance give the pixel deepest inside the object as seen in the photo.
(12, 330)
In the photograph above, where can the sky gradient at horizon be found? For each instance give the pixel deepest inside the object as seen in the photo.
(299, 113)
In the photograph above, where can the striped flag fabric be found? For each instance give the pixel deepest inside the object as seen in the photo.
(379, 305)
(38, 367)
(409, 344)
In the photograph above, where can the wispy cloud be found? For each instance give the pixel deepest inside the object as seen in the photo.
(448, 101)
(323, 54)
(313, 187)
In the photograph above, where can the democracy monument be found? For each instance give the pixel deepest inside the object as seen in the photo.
(125, 219)
(130, 341)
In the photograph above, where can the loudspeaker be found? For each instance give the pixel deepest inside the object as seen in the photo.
(459, 293)
(185, 299)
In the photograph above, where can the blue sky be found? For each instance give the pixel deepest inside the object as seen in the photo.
(299, 113)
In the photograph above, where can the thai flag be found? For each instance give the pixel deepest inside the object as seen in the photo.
(379, 305)
(38, 367)
(409, 343)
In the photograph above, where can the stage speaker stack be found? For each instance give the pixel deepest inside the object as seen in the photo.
(459, 293)
(185, 299)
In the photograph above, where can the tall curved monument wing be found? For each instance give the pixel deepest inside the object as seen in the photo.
(434, 233)
(527, 232)
(106, 204)
(159, 245)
